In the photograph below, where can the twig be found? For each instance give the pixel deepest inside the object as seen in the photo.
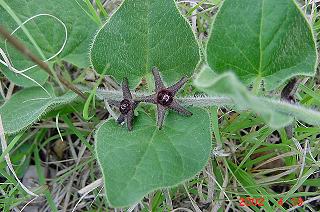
(90, 187)
(10, 91)
(2, 91)
(26, 52)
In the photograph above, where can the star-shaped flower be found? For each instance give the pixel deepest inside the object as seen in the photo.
(126, 106)
(164, 97)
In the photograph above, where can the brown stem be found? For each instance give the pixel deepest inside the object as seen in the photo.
(287, 94)
(27, 53)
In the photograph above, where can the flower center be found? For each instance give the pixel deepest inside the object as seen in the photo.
(125, 106)
(164, 97)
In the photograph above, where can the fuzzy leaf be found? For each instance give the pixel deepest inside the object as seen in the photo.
(276, 113)
(143, 34)
(138, 162)
(28, 105)
(48, 33)
(267, 39)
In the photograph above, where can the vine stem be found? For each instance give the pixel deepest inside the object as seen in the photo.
(27, 53)
(296, 110)
(201, 101)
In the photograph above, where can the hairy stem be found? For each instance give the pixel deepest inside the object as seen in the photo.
(204, 101)
(293, 110)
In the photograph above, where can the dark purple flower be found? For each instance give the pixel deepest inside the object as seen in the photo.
(164, 97)
(126, 106)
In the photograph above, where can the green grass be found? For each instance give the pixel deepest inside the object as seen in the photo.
(241, 143)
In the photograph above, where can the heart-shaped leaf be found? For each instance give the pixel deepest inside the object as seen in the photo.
(48, 33)
(138, 162)
(28, 105)
(264, 39)
(143, 34)
(276, 113)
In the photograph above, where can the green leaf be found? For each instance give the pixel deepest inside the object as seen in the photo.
(276, 113)
(47, 33)
(138, 162)
(269, 40)
(28, 105)
(143, 34)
